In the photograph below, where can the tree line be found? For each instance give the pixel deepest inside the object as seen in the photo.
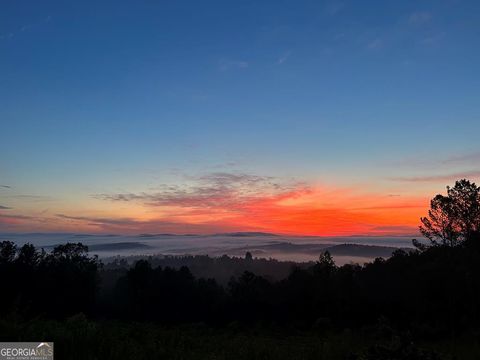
(433, 290)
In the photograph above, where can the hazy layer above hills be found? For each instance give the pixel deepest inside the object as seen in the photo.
(292, 248)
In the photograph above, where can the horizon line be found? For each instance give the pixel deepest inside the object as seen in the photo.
(233, 234)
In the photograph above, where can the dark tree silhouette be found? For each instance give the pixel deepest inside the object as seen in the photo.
(69, 279)
(453, 218)
(28, 256)
(325, 260)
(7, 252)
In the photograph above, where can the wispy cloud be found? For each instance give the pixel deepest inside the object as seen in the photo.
(375, 44)
(334, 7)
(283, 58)
(100, 220)
(440, 177)
(419, 17)
(4, 207)
(15, 216)
(213, 190)
(6, 186)
(9, 220)
(33, 198)
(121, 196)
(396, 229)
(409, 205)
(225, 64)
(9, 35)
(472, 157)
(438, 162)
(6, 36)
(224, 165)
(134, 226)
(432, 38)
(246, 201)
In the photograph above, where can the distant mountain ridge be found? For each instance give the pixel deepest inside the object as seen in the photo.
(245, 234)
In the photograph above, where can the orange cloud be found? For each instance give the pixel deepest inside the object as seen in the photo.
(245, 203)
(221, 202)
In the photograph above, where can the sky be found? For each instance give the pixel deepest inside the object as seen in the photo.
(294, 117)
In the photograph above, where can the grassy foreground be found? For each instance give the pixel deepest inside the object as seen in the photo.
(80, 338)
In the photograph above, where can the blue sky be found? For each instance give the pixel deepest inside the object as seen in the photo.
(120, 96)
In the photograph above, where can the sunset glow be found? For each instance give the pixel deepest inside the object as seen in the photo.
(162, 117)
(225, 202)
